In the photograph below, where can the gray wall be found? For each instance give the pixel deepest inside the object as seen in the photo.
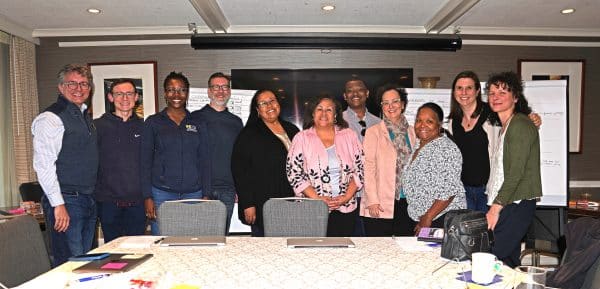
(199, 64)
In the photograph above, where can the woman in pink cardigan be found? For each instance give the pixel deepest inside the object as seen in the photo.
(325, 162)
(388, 147)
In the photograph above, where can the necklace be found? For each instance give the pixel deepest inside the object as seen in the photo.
(469, 121)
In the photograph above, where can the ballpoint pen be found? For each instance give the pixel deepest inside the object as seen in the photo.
(90, 278)
(159, 240)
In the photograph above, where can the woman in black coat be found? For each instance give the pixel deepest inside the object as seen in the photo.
(258, 159)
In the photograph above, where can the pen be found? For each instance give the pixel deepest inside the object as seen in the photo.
(159, 240)
(90, 278)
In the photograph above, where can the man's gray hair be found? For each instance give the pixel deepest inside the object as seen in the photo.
(80, 69)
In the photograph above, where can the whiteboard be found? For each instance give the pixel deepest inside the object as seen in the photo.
(548, 99)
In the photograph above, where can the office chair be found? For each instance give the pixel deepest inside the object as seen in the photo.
(295, 217)
(580, 265)
(545, 236)
(31, 192)
(192, 218)
(23, 252)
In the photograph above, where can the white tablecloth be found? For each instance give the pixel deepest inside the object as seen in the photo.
(247, 262)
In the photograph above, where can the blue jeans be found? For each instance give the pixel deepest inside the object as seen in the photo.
(476, 198)
(227, 197)
(121, 219)
(159, 196)
(79, 236)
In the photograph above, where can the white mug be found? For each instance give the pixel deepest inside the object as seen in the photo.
(484, 267)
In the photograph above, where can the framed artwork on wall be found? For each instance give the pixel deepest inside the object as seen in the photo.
(573, 71)
(142, 73)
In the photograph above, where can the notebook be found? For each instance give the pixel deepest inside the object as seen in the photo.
(331, 242)
(115, 263)
(193, 241)
(428, 234)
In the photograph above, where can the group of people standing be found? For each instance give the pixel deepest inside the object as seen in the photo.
(378, 177)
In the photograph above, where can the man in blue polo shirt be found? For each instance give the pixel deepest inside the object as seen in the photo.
(65, 158)
(118, 189)
(223, 129)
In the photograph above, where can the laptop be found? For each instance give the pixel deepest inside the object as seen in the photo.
(331, 242)
(174, 241)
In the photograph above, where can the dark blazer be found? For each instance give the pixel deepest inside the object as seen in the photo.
(258, 167)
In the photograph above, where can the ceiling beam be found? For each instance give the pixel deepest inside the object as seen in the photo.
(212, 15)
(453, 10)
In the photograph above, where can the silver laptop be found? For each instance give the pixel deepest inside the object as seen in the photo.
(331, 242)
(193, 241)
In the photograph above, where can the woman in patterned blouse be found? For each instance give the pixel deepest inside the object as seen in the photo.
(325, 162)
(431, 180)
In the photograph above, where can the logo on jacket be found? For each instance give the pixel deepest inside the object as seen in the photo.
(191, 128)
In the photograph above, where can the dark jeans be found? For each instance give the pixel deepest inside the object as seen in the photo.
(400, 225)
(119, 218)
(476, 198)
(341, 224)
(79, 236)
(227, 197)
(512, 226)
(359, 226)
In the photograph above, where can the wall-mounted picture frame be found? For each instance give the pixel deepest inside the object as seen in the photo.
(573, 71)
(143, 74)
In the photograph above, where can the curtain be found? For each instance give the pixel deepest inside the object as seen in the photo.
(8, 188)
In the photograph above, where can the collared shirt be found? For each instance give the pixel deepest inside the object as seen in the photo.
(353, 119)
(48, 130)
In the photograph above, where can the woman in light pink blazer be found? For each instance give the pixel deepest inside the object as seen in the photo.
(387, 147)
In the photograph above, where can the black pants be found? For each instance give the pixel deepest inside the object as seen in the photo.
(400, 225)
(341, 224)
(512, 225)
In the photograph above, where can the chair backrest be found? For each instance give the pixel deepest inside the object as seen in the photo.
(31, 192)
(23, 253)
(295, 217)
(192, 218)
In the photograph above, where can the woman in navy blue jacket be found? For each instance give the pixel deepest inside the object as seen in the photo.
(175, 158)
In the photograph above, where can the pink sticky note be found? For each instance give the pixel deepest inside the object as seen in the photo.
(114, 265)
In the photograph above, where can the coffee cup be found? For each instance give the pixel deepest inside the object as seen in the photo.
(484, 267)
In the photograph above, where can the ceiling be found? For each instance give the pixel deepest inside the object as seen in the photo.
(51, 18)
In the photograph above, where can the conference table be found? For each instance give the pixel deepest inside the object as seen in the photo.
(246, 262)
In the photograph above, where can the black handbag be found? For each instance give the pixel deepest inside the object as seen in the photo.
(466, 232)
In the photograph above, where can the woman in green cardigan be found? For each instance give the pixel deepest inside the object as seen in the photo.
(515, 183)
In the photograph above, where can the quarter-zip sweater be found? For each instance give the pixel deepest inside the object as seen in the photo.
(175, 158)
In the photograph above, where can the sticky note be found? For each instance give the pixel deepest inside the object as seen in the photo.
(114, 265)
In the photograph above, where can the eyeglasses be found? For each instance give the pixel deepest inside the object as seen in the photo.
(396, 101)
(219, 87)
(364, 127)
(129, 94)
(266, 103)
(172, 90)
(75, 84)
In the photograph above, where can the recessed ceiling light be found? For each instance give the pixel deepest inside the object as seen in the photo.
(328, 7)
(567, 11)
(94, 10)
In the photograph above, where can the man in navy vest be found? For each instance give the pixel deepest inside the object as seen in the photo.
(65, 158)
